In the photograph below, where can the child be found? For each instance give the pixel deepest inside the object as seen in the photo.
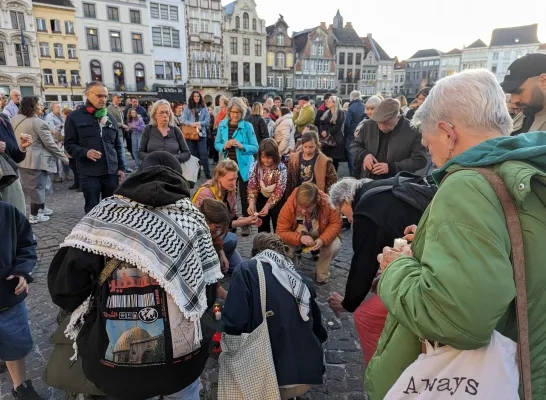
(266, 185)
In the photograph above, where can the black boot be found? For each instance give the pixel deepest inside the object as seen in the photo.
(3, 366)
(25, 392)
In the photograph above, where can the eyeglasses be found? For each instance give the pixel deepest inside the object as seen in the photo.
(236, 112)
(100, 96)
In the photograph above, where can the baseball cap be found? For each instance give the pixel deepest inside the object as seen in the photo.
(522, 69)
(386, 110)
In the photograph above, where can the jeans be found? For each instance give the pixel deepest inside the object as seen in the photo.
(350, 160)
(123, 158)
(190, 392)
(198, 148)
(96, 187)
(230, 248)
(135, 143)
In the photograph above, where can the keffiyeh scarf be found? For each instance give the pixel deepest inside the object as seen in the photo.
(284, 271)
(172, 244)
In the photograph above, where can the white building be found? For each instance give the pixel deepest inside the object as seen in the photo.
(245, 34)
(399, 75)
(206, 58)
(450, 63)
(474, 56)
(19, 64)
(170, 65)
(377, 70)
(508, 44)
(115, 47)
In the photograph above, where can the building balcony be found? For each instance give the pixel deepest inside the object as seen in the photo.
(280, 68)
(206, 37)
(349, 80)
(208, 82)
(140, 87)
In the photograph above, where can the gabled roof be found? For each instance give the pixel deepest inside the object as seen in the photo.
(382, 53)
(346, 37)
(270, 29)
(229, 8)
(427, 53)
(371, 45)
(59, 3)
(399, 64)
(516, 35)
(477, 44)
(300, 38)
(453, 52)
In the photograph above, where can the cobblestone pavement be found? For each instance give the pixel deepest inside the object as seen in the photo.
(343, 355)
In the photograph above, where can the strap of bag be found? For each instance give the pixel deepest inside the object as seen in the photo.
(108, 269)
(263, 295)
(513, 225)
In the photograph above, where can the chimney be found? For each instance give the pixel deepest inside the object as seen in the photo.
(369, 35)
(348, 25)
(323, 25)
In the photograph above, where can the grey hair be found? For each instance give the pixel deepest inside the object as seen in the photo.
(472, 99)
(373, 102)
(289, 102)
(158, 104)
(93, 84)
(239, 104)
(3, 92)
(345, 190)
(355, 95)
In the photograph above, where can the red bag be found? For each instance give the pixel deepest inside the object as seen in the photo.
(369, 320)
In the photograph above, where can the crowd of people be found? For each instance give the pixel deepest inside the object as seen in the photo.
(139, 278)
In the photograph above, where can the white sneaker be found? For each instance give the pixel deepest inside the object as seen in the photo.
(45, 211)
(34, 219)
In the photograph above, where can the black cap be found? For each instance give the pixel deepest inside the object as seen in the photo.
(522, 69)
(304, 98)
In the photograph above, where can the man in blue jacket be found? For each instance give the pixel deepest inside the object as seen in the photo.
(139, 109)
(355, 114)
(17, 260)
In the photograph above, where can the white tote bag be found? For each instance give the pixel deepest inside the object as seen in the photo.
(247, 370)
(446, 373)
(190, 169)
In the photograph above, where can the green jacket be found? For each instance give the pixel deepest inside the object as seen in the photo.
(458, 286)
(304, 117)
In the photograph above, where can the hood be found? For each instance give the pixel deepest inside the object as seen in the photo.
(155, 186)
(528, 147)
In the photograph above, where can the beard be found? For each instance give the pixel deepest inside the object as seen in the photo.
(536, 104)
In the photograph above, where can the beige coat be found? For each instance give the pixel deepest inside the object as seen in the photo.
(44, 152)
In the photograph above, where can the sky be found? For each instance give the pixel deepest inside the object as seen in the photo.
(402, 27)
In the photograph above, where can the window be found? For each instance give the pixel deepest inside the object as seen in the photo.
(44, 50)
(96, 70)
(215, 16)
(424, 74)
(254, 26)
(173, 13)
(341, 58)
(68, 27)
(154, 10)
(234, 73)
(41, 25)
(194, 25)
(92, 39)
(137, 43)
(270, 80)
(349, 75)
(89, 10)
(119, 76)
(280, 39)
(75, 77)
(289, 82)
(216, 29)
(233, 45)
(61, 77)
(350, 58)
(289, 60)
(245, 21)
(237, 23)
(166, 37)
(115, 41)
(159, 70)
(280, 60)
(113, 13)
(47, 75)
(17, 20)
(135, 16)
(270, 59)
(280, 81)
(246, 72)
(246, 47)
(164, 70)
(72, 52)
(341, 74)
(357, 75)
(164, 11)
(358, 58)
(395, 78)
(258, 74)
(494, 69)
(204, 26)
(140, 76)
(495, 56)
(58, 49)
(257, 47)
(55, 25)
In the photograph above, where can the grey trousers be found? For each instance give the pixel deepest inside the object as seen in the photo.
(35, 183)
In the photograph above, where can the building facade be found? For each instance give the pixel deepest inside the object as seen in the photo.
(379, 68)
(19, 63)
(205, 47)
(314, 68)
(115, 47)
(280, 60)
(170, 67)
(450, 63)
(422, 70)
(350, 53)
(474, 56)
(508, 44)
(399, 74)
(58, 51)
(246, 64)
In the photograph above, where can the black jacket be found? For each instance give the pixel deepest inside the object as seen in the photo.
(336, 130)
(17, 253)
(353, 116)
(83, 133)
(7, 135)
(296, 345)
(260, 127)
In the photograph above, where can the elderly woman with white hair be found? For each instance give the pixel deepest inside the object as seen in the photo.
(236, 140)
(162, 135)
(371, 105)
(455, 285)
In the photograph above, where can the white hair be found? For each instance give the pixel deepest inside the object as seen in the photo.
(239, 104)
(345, 190)
(373, 102)
(355, 95)
(472, 99)
(155, 107)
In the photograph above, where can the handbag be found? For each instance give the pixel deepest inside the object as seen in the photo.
(8, 169)
(247, 370)
(489, 372)
(328, 141)
(190, 132)
(62, 373)
(190, 169)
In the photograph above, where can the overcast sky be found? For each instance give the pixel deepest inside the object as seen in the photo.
(403, 27)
